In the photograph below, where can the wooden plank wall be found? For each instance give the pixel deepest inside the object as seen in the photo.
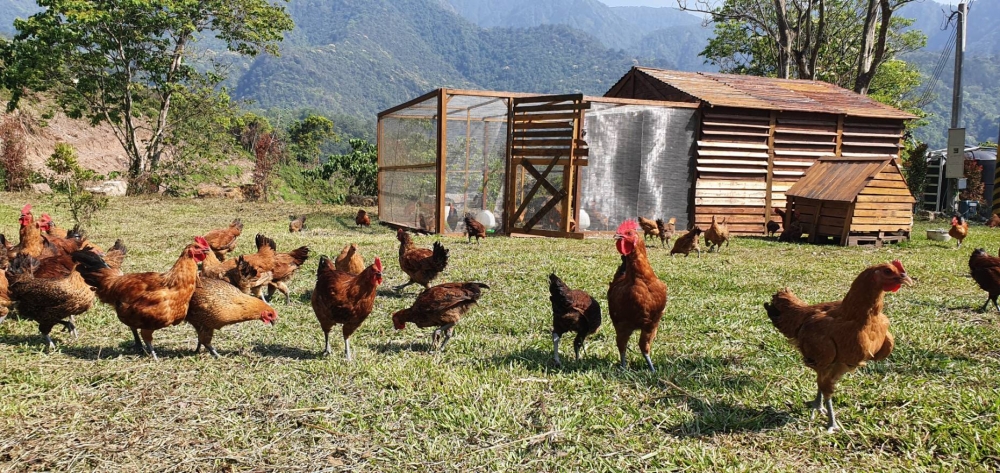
(871, 137)
(831, 217)
(884, 205)
(732, 166)
(799, 140)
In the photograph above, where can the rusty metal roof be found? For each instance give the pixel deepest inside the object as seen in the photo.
(840, 179)
(793, 95)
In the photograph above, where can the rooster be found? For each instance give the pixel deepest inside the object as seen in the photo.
(349, 261)
(145, 301)
(474, 229)
(665, 230)
(452, 216)
(837, 337)
(30, 233)
(959, 229)
(649, 228)
(216, 304)
(362, 219)
(573, 310)
(285, 266)
(687, 243)
(985, 270)
(636, 297)
(223, 240)
(340, 298)
(440, 306)
(422, 265)
(296, 224)
(716, 235)
(49, 227)
(772, 226)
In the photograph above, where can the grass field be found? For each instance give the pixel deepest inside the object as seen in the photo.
(728, 394)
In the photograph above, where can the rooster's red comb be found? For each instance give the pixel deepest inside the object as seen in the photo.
(627, 226)
(46, 218)
(26, 209)
(201, 241)
(378, 264)
(898, 265)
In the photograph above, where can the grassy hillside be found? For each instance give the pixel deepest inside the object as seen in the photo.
(728, 394)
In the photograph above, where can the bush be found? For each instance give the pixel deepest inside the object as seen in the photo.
(14, 172)
(70, 181)
(915, 168)
(359, 168)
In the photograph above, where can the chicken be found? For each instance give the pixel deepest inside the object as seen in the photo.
(296, 224)
(340, 298)
(61, 265)
(473, 228)
(636, 297)
(573, 310)
(717, 234)
(5, 249)
(649, 228)
(985, 270)
(48, 226)
(665, 230)
(837, 337)
(793, 228)
(452, 216)
(212, 268)
(420, 264)
(362, 219)
(145, 301)
(223, 240)
(285, 266)
(264, 262)
(440, 306)
(216, 304)
(959, 229)
(30, 233)
(772, 226)
(687, 243)
(49, 302)
(994, 221)
(349, 261)
(5, 301)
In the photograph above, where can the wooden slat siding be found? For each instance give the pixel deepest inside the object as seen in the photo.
(733, 211)
(905, 221)
(736, 185)
(871, 190)
(871, 137)
(748, 219)
(729, 144)
(881, 228)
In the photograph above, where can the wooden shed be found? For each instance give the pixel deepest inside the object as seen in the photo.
(757, 136)
(853, 200)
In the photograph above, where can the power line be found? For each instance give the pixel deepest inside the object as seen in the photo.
(939, 67)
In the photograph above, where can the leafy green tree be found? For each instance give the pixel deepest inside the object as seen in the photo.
(124, 61)
(844, 42)
(307, 135)
(359, 167)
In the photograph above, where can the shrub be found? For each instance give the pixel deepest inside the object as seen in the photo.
(915, 168)
(14, 170)
(70, 181)
(359, 167)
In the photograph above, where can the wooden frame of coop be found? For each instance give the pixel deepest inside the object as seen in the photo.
(853, 200)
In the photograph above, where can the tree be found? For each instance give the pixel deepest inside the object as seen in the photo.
(307, 135)
(844, 42)
(359, 167)
(124, 61)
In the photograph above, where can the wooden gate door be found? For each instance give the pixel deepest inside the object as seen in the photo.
(547, 148)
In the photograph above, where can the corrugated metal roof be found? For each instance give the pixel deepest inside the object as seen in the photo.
(729, 90)
(838, 179)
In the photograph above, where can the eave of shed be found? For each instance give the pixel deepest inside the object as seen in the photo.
(791, 95)
(839, 179)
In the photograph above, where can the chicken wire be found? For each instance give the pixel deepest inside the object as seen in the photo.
(477, 151)
(639, 164)
(408, 166)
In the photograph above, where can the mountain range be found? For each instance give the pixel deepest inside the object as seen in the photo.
(356, 57)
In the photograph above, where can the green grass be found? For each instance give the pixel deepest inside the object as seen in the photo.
(728, 394)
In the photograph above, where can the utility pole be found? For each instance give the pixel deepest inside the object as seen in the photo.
(955, 166)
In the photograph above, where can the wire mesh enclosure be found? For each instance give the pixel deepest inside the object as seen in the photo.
(540, 165)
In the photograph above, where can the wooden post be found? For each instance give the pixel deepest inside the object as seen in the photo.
(486, 164)
(442, 155)
(378, 164)
(569, 175)
(770, 171)
(816, 219)
(508, 171)
(848, 221)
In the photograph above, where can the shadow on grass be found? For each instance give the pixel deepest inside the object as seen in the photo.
(391, 293)
(125, 349)
(919, 362)
(395, 346)
(722, 417)
(285, 351)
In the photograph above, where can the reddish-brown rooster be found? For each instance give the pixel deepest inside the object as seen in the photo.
(636, 297)
(362, 219)
(422, 265)
(837, 337)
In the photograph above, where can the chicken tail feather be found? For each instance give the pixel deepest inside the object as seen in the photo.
(784, 314)
(440, 257)
(559, 295)
(94, 270)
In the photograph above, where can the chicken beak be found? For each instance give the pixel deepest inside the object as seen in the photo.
(907, 281)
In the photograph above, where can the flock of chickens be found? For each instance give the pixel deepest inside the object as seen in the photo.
(52, 275)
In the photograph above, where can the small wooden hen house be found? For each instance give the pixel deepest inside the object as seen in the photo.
(853, 200)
